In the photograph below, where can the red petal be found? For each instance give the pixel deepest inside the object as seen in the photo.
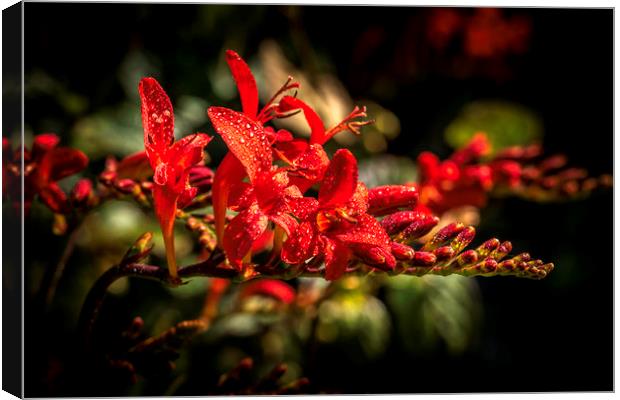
(337, 257)
(245, 139)
(369, 242)
(428, 164)
(303, 207)
(383, 200)
(270, 288)
(241, 196)
(264, 242)
(301, 245)
(359, 201)
(285, 221)
(367, 230)
(186, 197)
(53, 197)
(312, 163)
(157, 117)
(135, 166)
(289, 151)
(229, 173)
(340, 180)
(270, 189)
(43, 143)
(165, 210)
(59, 163)
(188, 151)
(242, 231)
(289, 103)
(246, 84)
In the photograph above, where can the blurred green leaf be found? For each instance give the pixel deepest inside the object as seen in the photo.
(387, 170)
(434, 309)
(506, 124)
(353, 316)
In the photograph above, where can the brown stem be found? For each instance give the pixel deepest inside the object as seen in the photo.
(57, 272)
(96, 295)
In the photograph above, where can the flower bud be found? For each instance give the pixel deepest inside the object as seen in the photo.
(82, 192)
(463, 239)
(570, 188)
(553, 162)
(402, 252)
(487, 247)
(201, 177)
(418, 228)
(208, 240)
(501, 251)
(523, 257)
(444, 253)
(508, 172)
(466, 258)
(193, 224)
(384, 199)
(489, 265)
(126, 186)
(506, 267)
(480, 174)
(396, 222)
(424, 259)
(139, 250)
(477, 147)
(107, 177)
(59, 226)
(443, 235)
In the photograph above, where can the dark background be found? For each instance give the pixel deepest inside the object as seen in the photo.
(550, 335)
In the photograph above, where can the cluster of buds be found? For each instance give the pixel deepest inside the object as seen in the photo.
(238, 381)
(138, 354)
(44, 164)
(468, 176)
(445, 254)
(128, 176)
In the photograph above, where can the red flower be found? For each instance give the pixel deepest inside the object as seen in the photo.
(306, 162)
(338, 226)
(44, 165)
(267, 197)
(171, 161)
(273, 288)
(457, 181)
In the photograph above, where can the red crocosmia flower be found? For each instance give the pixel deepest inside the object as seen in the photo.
(338, 226)
(171, 161)
(273, 288)
(231, 171)
(267, 197)
(44, 165)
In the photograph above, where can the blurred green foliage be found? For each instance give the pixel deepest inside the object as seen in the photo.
(506, 124)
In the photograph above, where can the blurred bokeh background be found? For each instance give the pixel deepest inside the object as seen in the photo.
(430, 77)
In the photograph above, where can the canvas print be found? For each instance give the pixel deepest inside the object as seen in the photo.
(277, 200)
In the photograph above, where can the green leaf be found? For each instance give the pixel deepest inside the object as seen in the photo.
(506, 124)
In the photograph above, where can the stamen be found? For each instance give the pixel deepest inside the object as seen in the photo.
(288, 85)
(348, 124)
